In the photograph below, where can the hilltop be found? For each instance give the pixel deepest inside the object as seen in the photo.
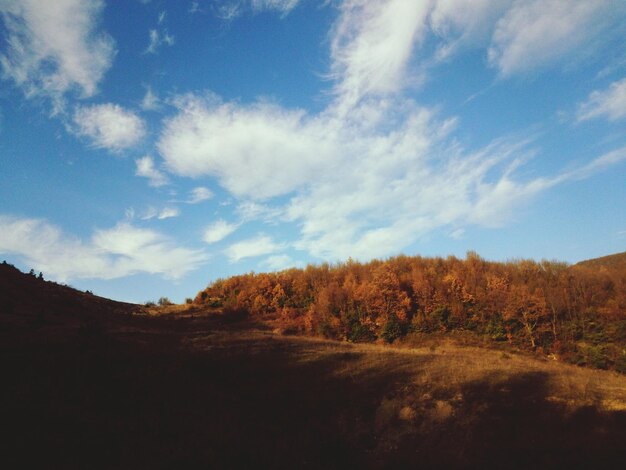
(613, 262)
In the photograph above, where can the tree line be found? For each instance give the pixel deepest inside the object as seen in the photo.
(577, 313)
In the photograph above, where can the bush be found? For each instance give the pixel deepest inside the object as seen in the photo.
(495, 329)
(150, 303)
(163, 301)
(439, 317)
(392, 329)
(357, 332)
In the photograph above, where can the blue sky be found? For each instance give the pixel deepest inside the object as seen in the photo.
(150, 147)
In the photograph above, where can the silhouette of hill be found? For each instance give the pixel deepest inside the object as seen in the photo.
(27, 299)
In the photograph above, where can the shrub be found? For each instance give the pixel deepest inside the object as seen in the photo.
(163, 301)
(439, 317)
(357, 332)
(392, 329)
(150, 303)
(495, 329)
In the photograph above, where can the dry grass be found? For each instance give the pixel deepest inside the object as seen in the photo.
(181, 386)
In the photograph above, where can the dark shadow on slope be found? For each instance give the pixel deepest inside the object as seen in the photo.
(100, 403)
(514, 423)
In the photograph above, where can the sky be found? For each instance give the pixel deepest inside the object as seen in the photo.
(150, 147)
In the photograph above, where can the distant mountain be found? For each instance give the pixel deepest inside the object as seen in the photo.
(613, 262)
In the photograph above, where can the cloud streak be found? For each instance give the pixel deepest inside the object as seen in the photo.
(609, 103)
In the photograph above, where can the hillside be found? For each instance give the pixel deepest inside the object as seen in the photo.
(613, 262)
(576, 313)
(198, 387)
(30, 297)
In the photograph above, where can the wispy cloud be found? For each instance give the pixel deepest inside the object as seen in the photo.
(165, 213)
(375, 171)
(609, 103)
(168, 213)
(199, 194)
(55, 47)
(147, 169)
(253, 247)
(112, 253)
(232, 9)
(281, 262)
(218, 230)
(157, 39)
(535, 33)
(150, 101)
(109, 126)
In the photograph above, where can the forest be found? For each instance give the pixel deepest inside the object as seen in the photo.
(574, 313)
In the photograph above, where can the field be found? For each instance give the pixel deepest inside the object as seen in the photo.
(196, 389)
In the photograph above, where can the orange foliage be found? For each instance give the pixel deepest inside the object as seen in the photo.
(547, 305)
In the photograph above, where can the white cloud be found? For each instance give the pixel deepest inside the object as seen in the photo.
(457, 234)
(609, 103)
(280, 262)
(284, 6)
(54, 47)
(150, 213)
(535, 33)
(235, 8)
(355, 186)
(117, 252)
(371, 46)
(260, 150)
(250, 210)
(374, 172)
(157, 39)
(165, 213)
(109, 126)
(199, 194)
(464, 23)
(146, 169)
(258, 246)
(168, 213)
(218, 230)
(150, 101)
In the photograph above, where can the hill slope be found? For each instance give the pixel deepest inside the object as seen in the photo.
(27, 296)
(614, 262)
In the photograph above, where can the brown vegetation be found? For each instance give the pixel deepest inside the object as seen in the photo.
(576, 313)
